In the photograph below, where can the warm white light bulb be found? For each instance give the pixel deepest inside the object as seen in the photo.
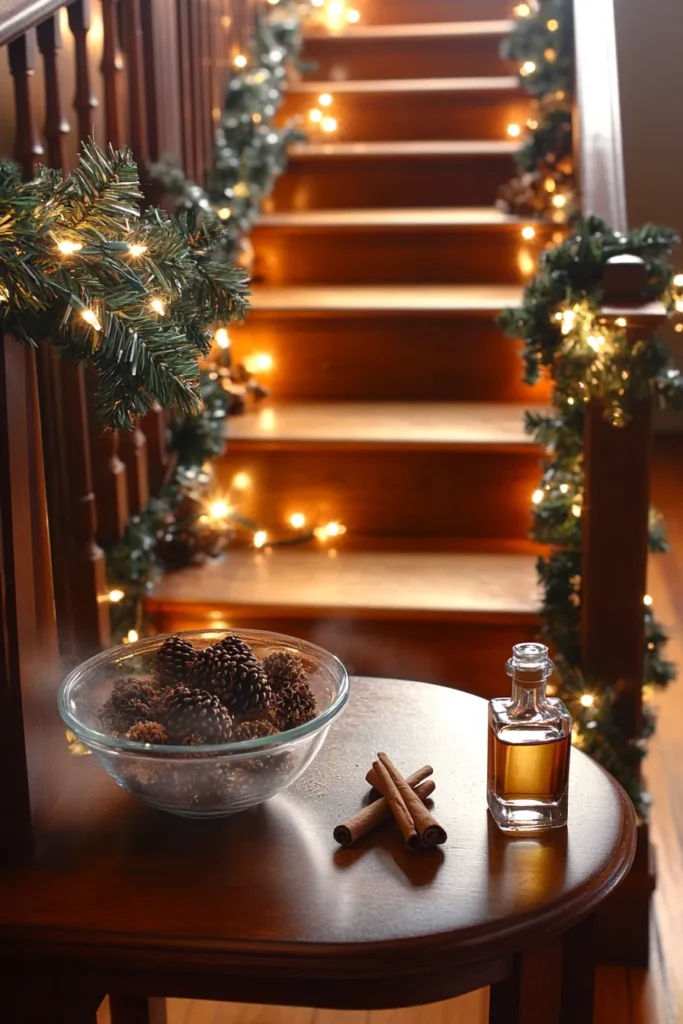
(222, 338)
(527, 68)
(353, 16)
(219, 509)
(537, 496)
(260, 538)
(315, 115)
(552, 25)
(261, 362)
(158, 305)
(678, 280)
(116, 595)
(132, 636)
(298, 520)
(240, 61)
(514, 131)
(69, 248)
(325, 99)
(328, 124)
(528, 233)
(559, 201)
(90, 317)
(564, 488)
(647, 600)
(550, 184)
(136, 249)
(223, 213)
(620, 321)
(587, 700)
(334, 529)
(576, 511)
(522, 10)
(241, 481)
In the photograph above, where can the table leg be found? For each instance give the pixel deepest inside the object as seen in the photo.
(533, 993)
(136, 1010)
(578, 974)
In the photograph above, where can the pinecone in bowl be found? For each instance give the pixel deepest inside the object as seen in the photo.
(197, 714)
(231, 671)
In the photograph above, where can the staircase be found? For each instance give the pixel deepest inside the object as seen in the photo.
(397, 405)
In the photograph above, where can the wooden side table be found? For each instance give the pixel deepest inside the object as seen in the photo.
(264, 907)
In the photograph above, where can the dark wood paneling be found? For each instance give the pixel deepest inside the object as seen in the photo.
(133, 452)
(112, 66)
(134, 51)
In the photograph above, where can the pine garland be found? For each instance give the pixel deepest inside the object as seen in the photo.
(586, 357)
(541, 44)
(250, 150)
(133, 294)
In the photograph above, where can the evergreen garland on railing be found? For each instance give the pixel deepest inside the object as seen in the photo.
(541, 44)
(588, 357)
(133, 294)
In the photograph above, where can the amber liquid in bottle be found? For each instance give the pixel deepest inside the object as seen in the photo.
(527, 768)
(529, 747)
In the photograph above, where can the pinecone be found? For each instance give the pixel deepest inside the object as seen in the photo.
(196, 712)
(148, 732)
(231, 671)
(293, 706)
(254, 730)
(131, 701)
(174, 661)
(284, 669)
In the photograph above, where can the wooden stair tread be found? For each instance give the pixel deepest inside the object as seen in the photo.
(484, 83)
(422, 217)
(485, 299)
(398, 149)
(302, 581)
(436, 424)
(421, 30)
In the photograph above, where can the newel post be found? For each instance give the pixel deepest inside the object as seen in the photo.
(615, 514)
(614, 574)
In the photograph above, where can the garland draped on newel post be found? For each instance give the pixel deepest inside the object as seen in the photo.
(586, 357)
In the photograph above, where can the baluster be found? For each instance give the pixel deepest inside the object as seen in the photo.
(133, 45)
(133, 449)
(86, 567)
(185, 80)
(162, 77)
(198, 109)
(160, 462)
(56, 124)
(206, 48)
(111, 485)
(22, 61)
(84, 100)
(112, 65)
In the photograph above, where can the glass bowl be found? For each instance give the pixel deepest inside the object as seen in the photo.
(208, 780)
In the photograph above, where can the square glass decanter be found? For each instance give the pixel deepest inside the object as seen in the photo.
(529, 745)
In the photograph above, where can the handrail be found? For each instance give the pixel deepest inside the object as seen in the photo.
(17, 17)
(598, 113)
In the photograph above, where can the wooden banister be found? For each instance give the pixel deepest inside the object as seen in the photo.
(600, 163)
(16, 17)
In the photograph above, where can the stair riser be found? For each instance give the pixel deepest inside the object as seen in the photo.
(467, 656)
(388, 357)
(372, 255)
(347, 59)
(326, 183)
(407, 492)
(412, 12)
(379, 117)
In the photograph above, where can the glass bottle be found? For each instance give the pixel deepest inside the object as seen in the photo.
(529, 744)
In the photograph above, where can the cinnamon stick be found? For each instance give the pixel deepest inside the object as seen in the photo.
(397, 804)
(374, 814)
(425, 824)
(413, 780)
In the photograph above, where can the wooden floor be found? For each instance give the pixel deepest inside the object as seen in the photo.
(623, 996)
